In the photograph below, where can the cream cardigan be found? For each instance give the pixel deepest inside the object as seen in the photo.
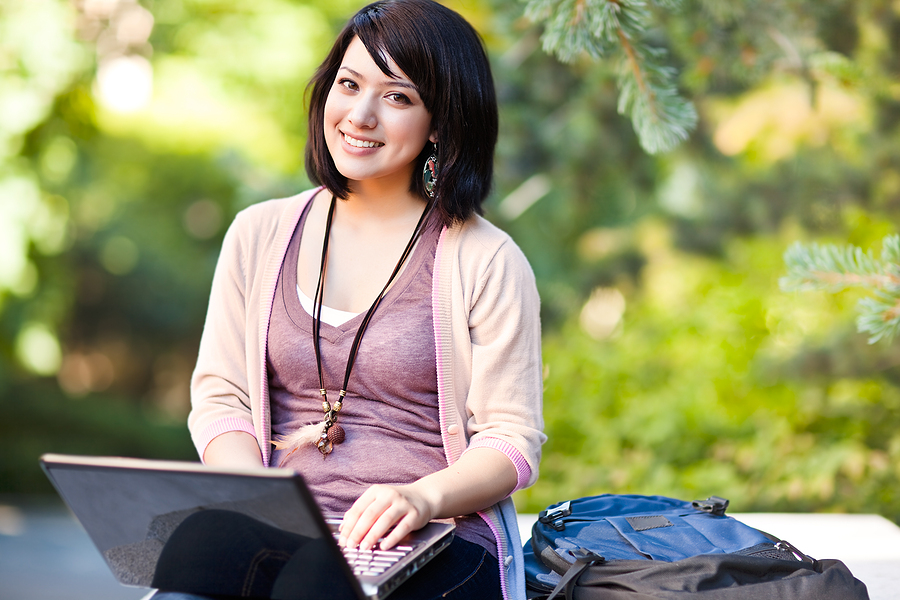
(487, 335)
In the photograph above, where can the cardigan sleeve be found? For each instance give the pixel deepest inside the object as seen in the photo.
(229, 387)
(220, 396)
(504, 399)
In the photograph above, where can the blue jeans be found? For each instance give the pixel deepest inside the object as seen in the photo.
(463, 571)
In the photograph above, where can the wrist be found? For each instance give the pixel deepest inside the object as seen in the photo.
(430, 498)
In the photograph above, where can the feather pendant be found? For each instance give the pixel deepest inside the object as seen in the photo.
(308, 434)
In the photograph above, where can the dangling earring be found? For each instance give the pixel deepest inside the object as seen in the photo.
(430, 174)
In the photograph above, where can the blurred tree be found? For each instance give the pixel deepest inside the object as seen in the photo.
(41, 59)
(132, 132)
(674, 362)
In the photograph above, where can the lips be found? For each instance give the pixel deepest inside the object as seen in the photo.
(357, 143)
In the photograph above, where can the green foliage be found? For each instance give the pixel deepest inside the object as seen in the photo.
(714, 380)
(674, 362)
(661, 118)
(707, 388)
(835, 268)
(38, 419)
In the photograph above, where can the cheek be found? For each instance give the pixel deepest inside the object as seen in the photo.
(423, 129)
(328, 113)
(420, 125)
(413, 129)
(334, 109)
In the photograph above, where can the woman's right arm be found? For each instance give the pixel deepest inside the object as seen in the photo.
(233, 449)
(220, 387)
(225, 422)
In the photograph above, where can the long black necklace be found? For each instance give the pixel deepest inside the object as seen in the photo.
(332, 433)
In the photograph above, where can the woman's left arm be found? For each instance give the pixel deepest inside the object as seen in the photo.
(481, 477)
(497, 358)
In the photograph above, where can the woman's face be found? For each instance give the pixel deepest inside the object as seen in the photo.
(375, 126)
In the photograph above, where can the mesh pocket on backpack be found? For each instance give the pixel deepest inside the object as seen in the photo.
(768, 550)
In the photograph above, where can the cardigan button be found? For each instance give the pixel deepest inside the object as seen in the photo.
(453, 429)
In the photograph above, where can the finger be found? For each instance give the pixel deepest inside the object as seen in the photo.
(351, 521)
(347, 524)
(404, 527)
(382, 526)
(369, 507)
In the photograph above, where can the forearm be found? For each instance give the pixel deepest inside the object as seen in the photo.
(233, 449)
(480, 478)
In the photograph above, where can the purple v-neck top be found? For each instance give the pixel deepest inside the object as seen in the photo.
(390, 414)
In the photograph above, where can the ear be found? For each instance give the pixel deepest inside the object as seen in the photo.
(433, 137)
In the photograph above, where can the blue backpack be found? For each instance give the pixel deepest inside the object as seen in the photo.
(629, 547)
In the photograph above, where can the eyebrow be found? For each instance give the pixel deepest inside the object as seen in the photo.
(390, 82)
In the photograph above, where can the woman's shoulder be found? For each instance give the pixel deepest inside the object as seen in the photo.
(477, 229)
(269, 214)
(477, 236)
(481, 247)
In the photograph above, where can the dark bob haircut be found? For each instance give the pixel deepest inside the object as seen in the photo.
(443, 56)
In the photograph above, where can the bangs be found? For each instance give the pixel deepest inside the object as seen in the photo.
(390, 34)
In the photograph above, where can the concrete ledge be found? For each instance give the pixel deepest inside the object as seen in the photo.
(868, 544)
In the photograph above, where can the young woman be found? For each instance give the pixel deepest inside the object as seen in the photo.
(375, 334)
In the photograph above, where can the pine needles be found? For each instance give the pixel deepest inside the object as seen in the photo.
(835, 268)
(602, 29)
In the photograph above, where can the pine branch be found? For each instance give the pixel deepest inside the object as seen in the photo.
(880, 319)
(890, 253)
(661, 118)
(601, 28)
(835, 268)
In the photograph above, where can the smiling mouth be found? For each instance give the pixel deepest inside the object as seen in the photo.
(361, 143)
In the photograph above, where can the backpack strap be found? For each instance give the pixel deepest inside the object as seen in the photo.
(584, 559)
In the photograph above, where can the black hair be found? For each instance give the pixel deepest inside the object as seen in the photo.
(443, 56)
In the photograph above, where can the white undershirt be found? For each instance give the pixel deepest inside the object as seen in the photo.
(332, 316)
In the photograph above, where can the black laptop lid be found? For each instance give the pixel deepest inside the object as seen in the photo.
(186, 527)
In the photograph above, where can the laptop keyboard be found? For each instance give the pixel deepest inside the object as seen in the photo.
(375, 561)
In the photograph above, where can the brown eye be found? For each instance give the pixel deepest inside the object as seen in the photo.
(398, 98)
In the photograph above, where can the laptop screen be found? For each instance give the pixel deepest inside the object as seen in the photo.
(187, 527)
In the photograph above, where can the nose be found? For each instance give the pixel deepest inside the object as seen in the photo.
(362, 113)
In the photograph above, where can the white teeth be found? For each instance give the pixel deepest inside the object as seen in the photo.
(360, 143)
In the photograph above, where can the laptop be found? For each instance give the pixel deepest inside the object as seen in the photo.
(188, 527)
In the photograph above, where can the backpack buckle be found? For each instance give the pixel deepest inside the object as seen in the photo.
(553, 517)
(713, 505)
(584, 555)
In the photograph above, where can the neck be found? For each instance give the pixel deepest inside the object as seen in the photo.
(369, 202)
